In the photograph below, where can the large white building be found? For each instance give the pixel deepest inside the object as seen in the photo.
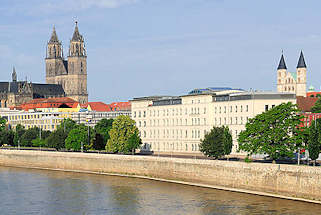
(177, 124)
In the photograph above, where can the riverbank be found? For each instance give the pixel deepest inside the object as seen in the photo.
(281, 181)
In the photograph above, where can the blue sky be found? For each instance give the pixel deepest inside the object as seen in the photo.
(165, 47)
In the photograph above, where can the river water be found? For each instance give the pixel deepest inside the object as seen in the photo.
(28, 191)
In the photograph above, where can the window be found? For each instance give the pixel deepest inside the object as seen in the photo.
(231, 109)
(266, 107)
(139, 114)
(241, 108)
(273, 106)
(235, 108)
(224, 109)
(247, 108)
(144, 113)
(220, 110)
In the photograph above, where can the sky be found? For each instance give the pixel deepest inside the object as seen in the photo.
(165, 47)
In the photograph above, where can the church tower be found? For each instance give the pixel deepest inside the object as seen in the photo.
(77, 68)
(54, 59)
(281, 75)
(301, 73)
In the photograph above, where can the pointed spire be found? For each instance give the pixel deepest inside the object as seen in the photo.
(301, 63)
(76, 36)
(54, 37)
(14, 74)
(282, 64)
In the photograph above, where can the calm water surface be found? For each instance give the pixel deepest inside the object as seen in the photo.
(26, 191)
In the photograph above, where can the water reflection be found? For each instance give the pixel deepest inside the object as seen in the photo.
(26, 191)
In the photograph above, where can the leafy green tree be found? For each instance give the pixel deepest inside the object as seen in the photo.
(67, 125)
(217, 143)
(102, 129)
(2, 123)
(78, 136)
(6, 137)
(38, 142)
(275, 132)
(19, 131)
(123, 128)
(314, 143)
(29, 135)
(99, 142)
(133, 142)
(56, 139)
(317, 107)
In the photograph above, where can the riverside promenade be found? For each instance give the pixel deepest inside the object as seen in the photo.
(274, 180)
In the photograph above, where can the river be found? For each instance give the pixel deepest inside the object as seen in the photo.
(29, 191)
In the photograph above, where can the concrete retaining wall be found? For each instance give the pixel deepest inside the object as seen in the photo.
(288, 181)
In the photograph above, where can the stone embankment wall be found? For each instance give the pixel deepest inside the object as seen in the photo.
(287, 181)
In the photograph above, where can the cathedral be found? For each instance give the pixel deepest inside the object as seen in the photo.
(293, 82)
(71, 74)
(63, 77)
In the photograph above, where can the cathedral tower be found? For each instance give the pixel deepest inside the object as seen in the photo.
(71, 74)
(301, 71)
(54, 59)
(281, 74)
(77, 68)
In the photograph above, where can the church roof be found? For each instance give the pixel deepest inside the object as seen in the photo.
(54, 37)
(301, 63)
(77, 36)
(282, 64)
(45, 90)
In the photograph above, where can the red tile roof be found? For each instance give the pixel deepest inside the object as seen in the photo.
(48, 103)
(96, 106)
(119, 106)
(305, 103)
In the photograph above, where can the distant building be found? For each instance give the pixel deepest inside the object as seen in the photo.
(178, 123)
(71, 74)
(49, 103)
(14, 93)
(292, 82)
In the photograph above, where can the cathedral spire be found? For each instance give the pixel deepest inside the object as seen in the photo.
(301, 62)
(54, 37)
(77, 36)
(14, 75)
(282, 64)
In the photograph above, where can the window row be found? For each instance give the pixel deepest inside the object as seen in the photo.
(235, 108)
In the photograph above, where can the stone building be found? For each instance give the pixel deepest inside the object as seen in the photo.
(15, 93)
(71, 74)
(294, 82)
(176, 124)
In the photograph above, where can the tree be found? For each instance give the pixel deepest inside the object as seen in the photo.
(76, 137)
(133, 142)
(29, 135)
(314, 143)
(217, 143)
(67, 125)
(19, 131)
(102, 129)
(123, 128)
(275, 132)
(6, 137)
(56, 139)
(317, 107)
(38, 142)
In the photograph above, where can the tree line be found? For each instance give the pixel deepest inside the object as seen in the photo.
(119, 135)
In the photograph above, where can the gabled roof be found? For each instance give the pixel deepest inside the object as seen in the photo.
(52, 100)
(96, 106)
(301, 62)
(282, 64)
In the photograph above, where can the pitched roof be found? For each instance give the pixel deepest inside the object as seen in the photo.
(305, 103)
(282, 64)
(54, 37)
(301, 62)
(119, 106)
(52, 100)
(96, 106)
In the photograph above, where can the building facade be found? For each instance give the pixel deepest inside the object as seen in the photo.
(14, 93)
(293, 82)
(71, 74)
(177, 124)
